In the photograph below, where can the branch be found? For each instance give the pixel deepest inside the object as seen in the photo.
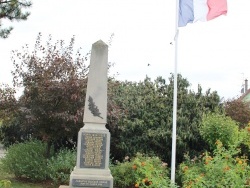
(27, 4)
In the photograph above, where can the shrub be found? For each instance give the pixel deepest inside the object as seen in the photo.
(5, 183)
(141, 171)
(220, 127)
(221, 169)
(245, 135)
(61, 166)
(245, 141)
(27, 160)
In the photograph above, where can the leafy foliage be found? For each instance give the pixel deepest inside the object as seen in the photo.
(238, 110)
(51, 107)
(217, 126)
(245, 141)
(14, 130)
(141, 171)
(9, 116)
(5, 183)
(54, 82)
(27, 160)
(8, 102)
(145, 118)
(61, 165)
(13, 10)
(221, 169)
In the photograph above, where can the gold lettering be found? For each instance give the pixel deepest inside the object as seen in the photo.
(93, 144)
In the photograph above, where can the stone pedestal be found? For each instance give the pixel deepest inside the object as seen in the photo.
(92, 166)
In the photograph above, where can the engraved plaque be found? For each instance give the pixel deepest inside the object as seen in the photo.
(93, 151)
(90, 183)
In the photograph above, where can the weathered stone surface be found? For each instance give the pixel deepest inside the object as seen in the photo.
(92, 166)
(96, 96)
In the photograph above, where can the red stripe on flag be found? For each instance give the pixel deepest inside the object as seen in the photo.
(216, 8)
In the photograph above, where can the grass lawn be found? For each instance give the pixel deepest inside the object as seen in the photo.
(21, 183)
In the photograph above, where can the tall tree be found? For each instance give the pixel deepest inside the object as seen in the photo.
(54, 82)
(145, 121)
(12, 10)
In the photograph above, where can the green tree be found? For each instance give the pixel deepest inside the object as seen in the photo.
(12, 10)
(145, 122)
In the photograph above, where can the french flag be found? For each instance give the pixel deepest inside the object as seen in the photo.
(191, 11)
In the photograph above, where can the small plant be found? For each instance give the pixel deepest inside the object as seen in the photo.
(121, 172)
(5, 184)
(221, 169)
(61, 165)
(27, 160)
(141, 171)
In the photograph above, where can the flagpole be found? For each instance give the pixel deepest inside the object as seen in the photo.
(173, 158)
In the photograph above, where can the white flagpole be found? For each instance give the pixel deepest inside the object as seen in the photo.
(175, 97)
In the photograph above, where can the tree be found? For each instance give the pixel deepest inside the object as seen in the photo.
(54, 82)
(145, 121)
(238, 110)
(12, 10)
(8, 112)
(8, 101)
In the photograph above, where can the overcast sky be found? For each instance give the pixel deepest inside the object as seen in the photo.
(215, 54)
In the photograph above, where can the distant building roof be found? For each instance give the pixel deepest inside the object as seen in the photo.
(246, 96)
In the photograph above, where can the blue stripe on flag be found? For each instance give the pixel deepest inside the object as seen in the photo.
(186, 12)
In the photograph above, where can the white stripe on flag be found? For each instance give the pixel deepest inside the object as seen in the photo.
(200, 10)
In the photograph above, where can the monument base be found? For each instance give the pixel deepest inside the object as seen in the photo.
(90, 181)
(91, 170)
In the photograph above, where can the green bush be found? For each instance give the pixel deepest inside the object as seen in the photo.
(141, 171)
(221, 169)
(245, 135)
(27, 160)
(61, 166)
(220, 127)
(122, 175)
(245, 141)
(5, 183)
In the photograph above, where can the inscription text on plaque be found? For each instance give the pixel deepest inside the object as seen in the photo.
(93, 152)
(90, 183)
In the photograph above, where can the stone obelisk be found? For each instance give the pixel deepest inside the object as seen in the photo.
(92, 166)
